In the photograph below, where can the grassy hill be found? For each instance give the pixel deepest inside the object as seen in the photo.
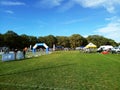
(65, 70)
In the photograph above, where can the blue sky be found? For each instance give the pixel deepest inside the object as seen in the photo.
(61, 17)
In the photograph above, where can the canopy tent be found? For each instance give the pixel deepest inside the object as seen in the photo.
(91, 45)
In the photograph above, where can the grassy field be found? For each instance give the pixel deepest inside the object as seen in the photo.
(65, 70)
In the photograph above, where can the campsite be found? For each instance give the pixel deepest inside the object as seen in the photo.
(62, 70)
(74, 64)
(60, 45)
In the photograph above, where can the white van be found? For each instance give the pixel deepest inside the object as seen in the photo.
(104, 47)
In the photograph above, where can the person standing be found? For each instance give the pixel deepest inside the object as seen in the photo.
(24, 51)
(15, 51)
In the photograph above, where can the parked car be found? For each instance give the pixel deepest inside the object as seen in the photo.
(115, 50)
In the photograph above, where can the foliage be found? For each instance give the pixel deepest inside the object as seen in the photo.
(77, 40)
(41, 39)
(24, 40)
(50, 40)
(13, 40)
(100, 40)
(63, 41)
(1, 40)
(70, 70)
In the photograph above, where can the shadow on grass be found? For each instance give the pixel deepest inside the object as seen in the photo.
(36, 69)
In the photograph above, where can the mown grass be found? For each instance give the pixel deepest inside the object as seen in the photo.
(65, 70)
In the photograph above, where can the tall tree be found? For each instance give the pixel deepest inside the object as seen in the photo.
(28, 40)
(63, 41)
(100, 40)
(77, 40)
(41, 39)
(32, 40)
(1, 40)
(50, 40)
(25, 40)
(11, 39)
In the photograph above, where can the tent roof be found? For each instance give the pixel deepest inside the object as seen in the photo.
(90, 45)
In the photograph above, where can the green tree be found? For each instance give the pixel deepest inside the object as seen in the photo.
(50, 40)
(112, 42)
(77, 40)
(41, 39)
(24, 41)
(63, 41)
(11, 39)
(32, 40)
(100, 40)
(1, 40)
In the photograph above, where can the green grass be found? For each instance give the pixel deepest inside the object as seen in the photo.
(70, 70)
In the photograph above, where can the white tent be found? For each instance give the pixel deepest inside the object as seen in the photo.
(91, 45)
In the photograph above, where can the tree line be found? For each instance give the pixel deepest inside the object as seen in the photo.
(13, 40)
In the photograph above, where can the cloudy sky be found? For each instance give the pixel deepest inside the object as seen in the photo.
(61, 17)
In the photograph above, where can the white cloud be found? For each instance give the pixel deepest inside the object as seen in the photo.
(11, 3)
(67, 6)
(109, 5)
(9, 12)
(111, 30)
(74, 21)
(48, 3)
